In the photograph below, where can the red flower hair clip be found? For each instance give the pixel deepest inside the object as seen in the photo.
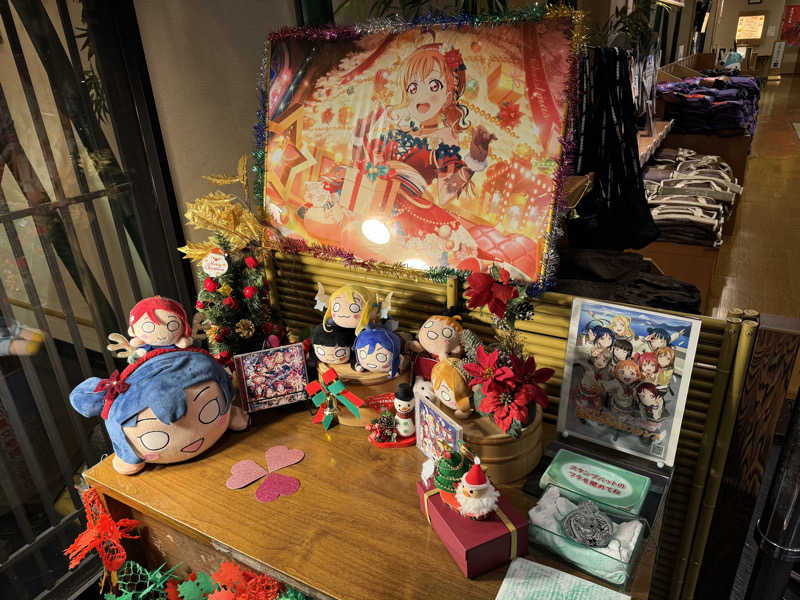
(453, 60)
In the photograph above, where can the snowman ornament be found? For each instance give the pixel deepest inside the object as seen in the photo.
(475, 494)
(404, 410)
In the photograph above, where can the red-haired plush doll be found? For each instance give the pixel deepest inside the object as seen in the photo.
(155, 322)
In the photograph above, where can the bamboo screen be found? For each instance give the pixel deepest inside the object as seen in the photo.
(545, 335)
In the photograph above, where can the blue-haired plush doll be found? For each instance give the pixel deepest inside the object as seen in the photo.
(379, 349)
(171, 405)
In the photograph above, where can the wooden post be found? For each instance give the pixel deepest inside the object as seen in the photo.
(453, 292)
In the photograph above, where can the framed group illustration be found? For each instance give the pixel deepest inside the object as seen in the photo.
(271, 377)
(436, 431)
(427, 145)
(626, 378)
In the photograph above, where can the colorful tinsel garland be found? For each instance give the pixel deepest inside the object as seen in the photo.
(395, 24)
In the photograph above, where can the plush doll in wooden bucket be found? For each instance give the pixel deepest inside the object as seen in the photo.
(169, 406)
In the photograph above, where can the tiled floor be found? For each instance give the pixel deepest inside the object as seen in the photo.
(759, 264)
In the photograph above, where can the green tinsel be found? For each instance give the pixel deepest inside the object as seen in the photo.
(470, 343)
(450, 470)
(293, 594)
(440, 275)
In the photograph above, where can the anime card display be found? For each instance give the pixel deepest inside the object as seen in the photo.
(626, 378)
(271, 377)
(436, 432)
(426, 145)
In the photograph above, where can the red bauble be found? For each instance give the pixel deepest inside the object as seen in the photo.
(251, 262)
(267, 328)
(200, 305)
(219, 337)
(249, 291)
(231, 302)
(224, 355)
(225, 331)
(210, 285)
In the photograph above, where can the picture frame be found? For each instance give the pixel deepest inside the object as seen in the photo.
(626, 378)
(436, 431)
(271, 377)
(343, 141)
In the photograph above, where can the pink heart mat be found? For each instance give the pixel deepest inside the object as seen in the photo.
(279, 457)
(276, 485)
(243, 473)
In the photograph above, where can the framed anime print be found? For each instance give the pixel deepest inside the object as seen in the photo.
(626, 378)
(436, 431)
(271, 377)
(426, 145)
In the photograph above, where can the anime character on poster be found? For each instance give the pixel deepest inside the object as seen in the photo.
(423, 151)
(154, 322)
(169, 406)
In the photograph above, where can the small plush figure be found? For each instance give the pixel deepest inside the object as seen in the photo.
(450, 387)
(351, 307)
(154, 322)
(332, 347)
(168, 406)
(379, 350)
(404, 410)
(440, 336)
(476, 495)
(423, 389)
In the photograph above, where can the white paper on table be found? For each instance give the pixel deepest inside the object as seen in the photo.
(527, 580)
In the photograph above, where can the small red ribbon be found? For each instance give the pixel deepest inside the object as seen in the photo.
(113, 387)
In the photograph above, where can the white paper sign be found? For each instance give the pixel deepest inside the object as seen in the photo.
(777, 55)
(215, 264)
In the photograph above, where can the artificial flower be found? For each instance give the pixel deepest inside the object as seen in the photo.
(510, 115)
(487, 374)
(529, 377)
(484, 289)
(245, 328)
(212, 331)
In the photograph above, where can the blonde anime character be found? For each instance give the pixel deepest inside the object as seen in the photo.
(666, 365)
(451, 387)
(351, 307)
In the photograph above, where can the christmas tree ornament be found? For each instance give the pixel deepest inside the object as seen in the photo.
(249, 291)
(250, 262)
(210, 285)
(450, 468)
(225, 290)
(327, 394)
(245, 328)
(476, 496)
(169, 406)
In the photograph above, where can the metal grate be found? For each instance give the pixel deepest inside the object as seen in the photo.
(71, 259)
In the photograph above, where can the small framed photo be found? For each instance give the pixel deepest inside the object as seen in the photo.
(271, 377)
(436, 431)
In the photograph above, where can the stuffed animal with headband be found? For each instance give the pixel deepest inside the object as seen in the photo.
(351, 307)
(169, 406)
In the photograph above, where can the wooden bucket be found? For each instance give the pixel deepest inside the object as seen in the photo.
(505, 459)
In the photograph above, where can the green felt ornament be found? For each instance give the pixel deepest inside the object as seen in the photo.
(449, 470)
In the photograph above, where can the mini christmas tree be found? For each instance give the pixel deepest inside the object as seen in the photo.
(449, 470)
(233, 283)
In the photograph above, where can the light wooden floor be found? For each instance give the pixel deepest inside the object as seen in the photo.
(759, 264)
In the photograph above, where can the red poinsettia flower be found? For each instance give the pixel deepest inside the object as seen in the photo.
(510, 115)
(452, 59)
(486, 373)
(529, 377)
(484, 289)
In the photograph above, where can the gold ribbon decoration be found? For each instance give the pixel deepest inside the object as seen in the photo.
(428, 494)
(513, 530)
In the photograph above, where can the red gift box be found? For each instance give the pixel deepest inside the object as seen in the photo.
(477, 546)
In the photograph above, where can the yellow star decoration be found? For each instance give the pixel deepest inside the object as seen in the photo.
(225, 290)
(288, 137)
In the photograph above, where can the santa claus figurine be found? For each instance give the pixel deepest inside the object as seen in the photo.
(476, 495)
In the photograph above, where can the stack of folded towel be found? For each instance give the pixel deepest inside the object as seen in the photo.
(690, 195)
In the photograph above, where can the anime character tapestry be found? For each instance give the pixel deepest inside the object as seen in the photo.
(421, 145)
(626, 378)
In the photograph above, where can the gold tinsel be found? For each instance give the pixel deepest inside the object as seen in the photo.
(225, 290)
(245, 328)
(197, 251)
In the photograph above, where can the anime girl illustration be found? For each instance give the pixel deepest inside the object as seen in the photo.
(590, 391)
(648, 366)
(651, 407)
(621, 350)
(666, 365)
(622, 390)
(621, 326)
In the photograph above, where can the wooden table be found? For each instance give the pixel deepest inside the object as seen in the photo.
(353, 530)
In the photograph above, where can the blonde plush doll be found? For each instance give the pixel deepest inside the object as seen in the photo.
(351, 307)
(450, 387)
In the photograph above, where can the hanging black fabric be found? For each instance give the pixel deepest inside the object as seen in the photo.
(614, 215)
